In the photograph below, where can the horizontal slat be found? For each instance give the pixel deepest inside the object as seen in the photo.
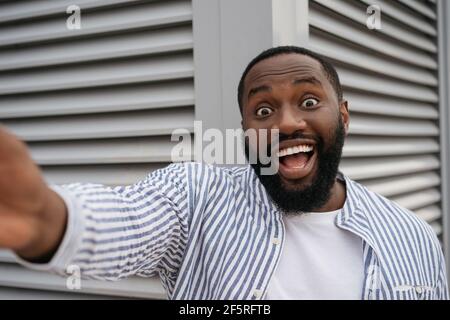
(17, 277)
(392, 186)
(418, 199)
(6, 256)
(90, 75)
(362, 146)
(398, 12)
(357, 12)
(369, 103)
(107, 99)
(384, 126)
(437, 227)
(429, 214)
(356, 79)
(128, 45)
(131, 150)
(27, 9)
(143, 15)
(348, 53)
(111, 174)
(105, 125)
(363, 37)
(420, 8)
(387, 166)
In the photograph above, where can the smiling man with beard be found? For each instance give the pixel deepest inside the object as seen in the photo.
(297, 196)
(297, 92)
(306, 232)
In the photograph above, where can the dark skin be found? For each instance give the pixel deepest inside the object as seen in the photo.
(291, 93)
(32, 216)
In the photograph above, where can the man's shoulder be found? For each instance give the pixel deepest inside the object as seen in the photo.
(387, 213)
(194, 175)
(233, 173)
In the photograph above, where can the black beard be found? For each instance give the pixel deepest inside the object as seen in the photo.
(315, 195)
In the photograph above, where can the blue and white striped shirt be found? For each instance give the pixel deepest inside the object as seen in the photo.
(213, 233)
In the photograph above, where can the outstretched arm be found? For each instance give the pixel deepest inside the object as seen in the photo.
(109, 232)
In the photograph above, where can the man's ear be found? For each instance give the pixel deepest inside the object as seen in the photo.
(343, 110)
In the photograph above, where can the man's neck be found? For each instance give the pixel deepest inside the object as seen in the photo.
(337, 198)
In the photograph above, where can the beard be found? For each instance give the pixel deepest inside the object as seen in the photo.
(296, 200)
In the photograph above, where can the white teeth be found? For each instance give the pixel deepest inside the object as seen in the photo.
(294, 150)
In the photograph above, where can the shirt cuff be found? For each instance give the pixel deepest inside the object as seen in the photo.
(71, 240)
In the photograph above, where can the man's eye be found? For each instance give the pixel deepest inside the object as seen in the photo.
(263, 111)
(310, 102)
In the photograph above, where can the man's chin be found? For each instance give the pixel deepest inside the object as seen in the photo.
(296, 195)
(290, 185)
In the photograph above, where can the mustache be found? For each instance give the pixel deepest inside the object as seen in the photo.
(297, 135)
(269, 151)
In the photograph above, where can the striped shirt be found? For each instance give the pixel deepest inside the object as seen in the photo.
(213, 233)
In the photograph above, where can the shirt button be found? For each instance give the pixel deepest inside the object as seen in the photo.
(418, 290)
(276, 241)
(257, 293)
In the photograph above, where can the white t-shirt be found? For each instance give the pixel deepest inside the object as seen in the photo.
(319, 261)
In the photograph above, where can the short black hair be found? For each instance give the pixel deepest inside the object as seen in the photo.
(330, 71)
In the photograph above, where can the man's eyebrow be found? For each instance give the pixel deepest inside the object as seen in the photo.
(255, 90)
(266, 88)
(311, 80)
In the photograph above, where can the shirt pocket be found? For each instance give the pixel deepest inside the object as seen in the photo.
(414, 292)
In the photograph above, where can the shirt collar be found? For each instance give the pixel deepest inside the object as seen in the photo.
(352, 203)
(258, 191)
(351, 218)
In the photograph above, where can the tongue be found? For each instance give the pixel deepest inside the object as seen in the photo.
(297, 160)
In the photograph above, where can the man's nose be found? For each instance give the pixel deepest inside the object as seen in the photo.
(290, 121)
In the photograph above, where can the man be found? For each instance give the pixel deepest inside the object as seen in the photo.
(307, 232)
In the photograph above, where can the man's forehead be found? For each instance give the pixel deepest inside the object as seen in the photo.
(285, 65)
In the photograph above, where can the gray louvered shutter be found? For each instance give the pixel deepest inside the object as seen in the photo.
(96, 104)
(390, 80)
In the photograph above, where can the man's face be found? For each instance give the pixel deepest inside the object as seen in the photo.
(291, 93)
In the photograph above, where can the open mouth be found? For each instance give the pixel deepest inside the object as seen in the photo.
(297, 161)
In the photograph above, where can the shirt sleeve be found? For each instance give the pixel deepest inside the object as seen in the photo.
(116, 232)
(442, 284)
